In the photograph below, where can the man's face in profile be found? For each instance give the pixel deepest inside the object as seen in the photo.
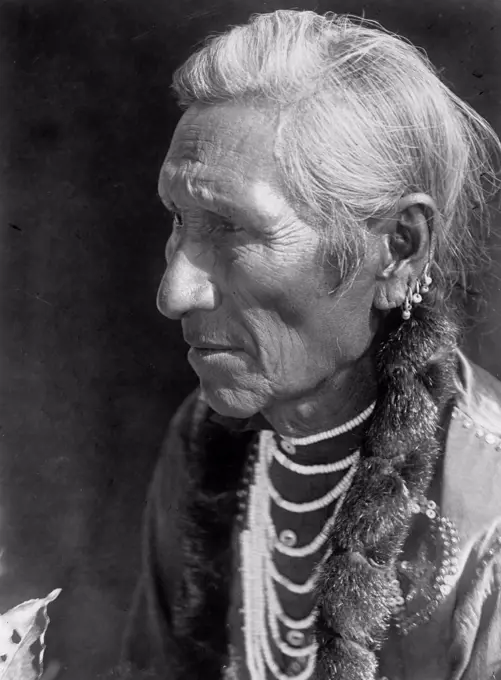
(243, 274)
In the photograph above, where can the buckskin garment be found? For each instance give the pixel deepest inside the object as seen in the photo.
(184, 619)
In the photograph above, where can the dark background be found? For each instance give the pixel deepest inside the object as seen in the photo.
(90, 372)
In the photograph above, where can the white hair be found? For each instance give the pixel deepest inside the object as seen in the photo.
(364, 120)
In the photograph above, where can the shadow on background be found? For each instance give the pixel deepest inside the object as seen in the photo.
(90, 372)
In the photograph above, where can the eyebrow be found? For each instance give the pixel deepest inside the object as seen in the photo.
(207, 194)
(210, 201)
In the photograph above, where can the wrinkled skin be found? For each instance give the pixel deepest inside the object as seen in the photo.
(245, 272)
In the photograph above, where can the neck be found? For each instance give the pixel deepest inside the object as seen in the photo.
(335, 401)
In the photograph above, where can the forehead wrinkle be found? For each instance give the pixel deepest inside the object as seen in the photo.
(202, 184)
(186, 153)
(208, 166)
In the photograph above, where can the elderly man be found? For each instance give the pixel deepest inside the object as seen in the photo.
(326, 504)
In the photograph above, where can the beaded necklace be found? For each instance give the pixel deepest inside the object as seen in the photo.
(263, 612)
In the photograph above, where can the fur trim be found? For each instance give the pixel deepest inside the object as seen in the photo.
(216, 459)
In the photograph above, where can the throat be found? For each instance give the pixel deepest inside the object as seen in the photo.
(341, 403)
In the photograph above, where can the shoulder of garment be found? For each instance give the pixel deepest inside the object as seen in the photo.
(472, 467)
(462, 639)
(471, 499)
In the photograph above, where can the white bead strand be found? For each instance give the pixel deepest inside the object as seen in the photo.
(310, 548)
(276, 607)
(293, 652)
(298, 588)
(261, 605)
(335, 432)
(323, 469)
(340, 488)
(254, 566)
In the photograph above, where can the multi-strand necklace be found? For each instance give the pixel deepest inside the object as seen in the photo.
(264, 615)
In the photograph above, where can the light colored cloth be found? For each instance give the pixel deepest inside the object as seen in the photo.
(462, 641)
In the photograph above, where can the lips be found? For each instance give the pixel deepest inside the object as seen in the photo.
(213, 348)
(203, 342)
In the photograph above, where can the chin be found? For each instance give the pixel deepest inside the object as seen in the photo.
(232, 403)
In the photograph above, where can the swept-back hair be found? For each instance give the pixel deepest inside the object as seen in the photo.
(364, 119)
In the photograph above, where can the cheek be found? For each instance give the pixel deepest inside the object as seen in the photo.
(281, 313)
(273, 307)
(279, 324)
(349, 324)
(285, 292)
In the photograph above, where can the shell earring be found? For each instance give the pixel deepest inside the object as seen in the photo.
(407, 306)
(427, 280)
(414, 296)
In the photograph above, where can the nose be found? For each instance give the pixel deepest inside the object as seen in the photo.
(186, 285)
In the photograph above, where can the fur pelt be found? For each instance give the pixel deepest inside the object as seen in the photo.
(416, 371)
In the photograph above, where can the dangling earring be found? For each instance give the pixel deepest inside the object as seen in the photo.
(427, 280)
(414, 296)
(409, 299)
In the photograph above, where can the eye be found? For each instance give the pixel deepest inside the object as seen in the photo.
(222, 225)
(227, 225)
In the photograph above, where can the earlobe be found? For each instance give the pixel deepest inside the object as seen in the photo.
(390, 292)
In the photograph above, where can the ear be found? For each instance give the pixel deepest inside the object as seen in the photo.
(406, 245)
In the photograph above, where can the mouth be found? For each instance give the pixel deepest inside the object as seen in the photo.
(200, 355)
(212, 349)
